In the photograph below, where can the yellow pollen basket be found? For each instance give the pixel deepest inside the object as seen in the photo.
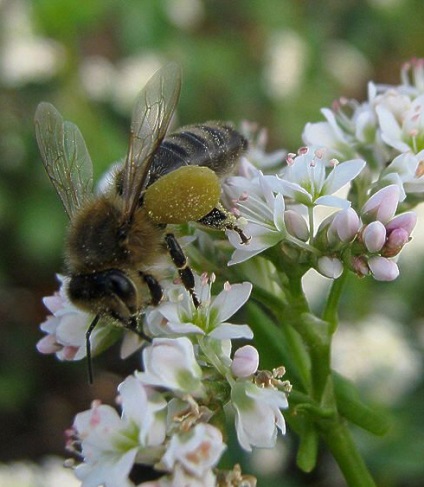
(187, 194)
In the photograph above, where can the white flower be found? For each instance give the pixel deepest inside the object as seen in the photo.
(404, 129)
(258, 414)
(171, 363)
(307, 181)
(111, 444)
(65, 327)
(264, 212)
(412, 76)
(406, 170)
(197, 450)
(181, 317)
(330, 134)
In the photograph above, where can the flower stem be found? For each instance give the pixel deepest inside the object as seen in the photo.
(339, 441)
(331, 308)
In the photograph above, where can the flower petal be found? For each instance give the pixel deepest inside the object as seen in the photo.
(230, 300)
(342, 174)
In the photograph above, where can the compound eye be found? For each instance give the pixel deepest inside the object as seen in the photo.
(122, 287)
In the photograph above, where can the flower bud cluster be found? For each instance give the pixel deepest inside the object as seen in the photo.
(367, 242)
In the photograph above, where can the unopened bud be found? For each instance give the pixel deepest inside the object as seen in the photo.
(331, 267)
(407, 221)
(398, 233)
(344, 226)
(296, 225)
(382, 205)
(383, 269)
(360, 266)
(245, 362)
(374, 236)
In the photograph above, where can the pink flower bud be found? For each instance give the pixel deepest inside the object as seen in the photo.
(382, 205)
(398, 233)
(383, 269)
(330, 267)
(407, 221)
(360, 266)
(245, 361)
(374, 236)
(395, 242)
(296, 225)
(345, 225)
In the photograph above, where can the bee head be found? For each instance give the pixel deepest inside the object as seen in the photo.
(108, 292)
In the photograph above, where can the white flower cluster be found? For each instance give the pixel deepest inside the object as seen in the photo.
(374, 149)
(188, 376)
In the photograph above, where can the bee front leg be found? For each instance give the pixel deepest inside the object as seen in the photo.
(220, 219)
(156, 291)
(180, 260)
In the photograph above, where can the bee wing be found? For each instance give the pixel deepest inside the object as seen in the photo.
(152, 113)
(65, 157)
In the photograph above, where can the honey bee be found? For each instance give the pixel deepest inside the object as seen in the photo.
(116, 238)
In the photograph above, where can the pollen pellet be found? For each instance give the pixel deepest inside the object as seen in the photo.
(186, 194)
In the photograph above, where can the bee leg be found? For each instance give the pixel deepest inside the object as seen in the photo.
(180, 261)
(221, 219)
(156, 291)
(88, 347)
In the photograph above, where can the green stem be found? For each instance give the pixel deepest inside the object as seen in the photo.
(323, 415)
(339, 441)
(278, 308)
(330, 313)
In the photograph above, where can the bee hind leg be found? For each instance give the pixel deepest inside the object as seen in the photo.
(180, 260)
(221, 219)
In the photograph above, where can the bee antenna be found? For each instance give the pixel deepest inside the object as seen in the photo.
(88, 347)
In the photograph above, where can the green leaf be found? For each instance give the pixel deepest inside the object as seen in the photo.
(352, 408)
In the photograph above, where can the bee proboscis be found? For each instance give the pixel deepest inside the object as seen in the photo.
(116, 238)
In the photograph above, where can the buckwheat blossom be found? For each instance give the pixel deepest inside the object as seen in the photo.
(196, 451)
(171, 363)
(256, 153)
(412, 77)
(110, 444)
(329, 134)
(407, 171)
(67, 325)
(264, 212)
(179, 316)
(405, 132)
(258, 414)
(311, 178)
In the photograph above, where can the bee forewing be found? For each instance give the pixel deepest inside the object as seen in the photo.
(65, 157)
(152, 114)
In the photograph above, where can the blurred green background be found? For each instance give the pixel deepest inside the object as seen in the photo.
(275, 62)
